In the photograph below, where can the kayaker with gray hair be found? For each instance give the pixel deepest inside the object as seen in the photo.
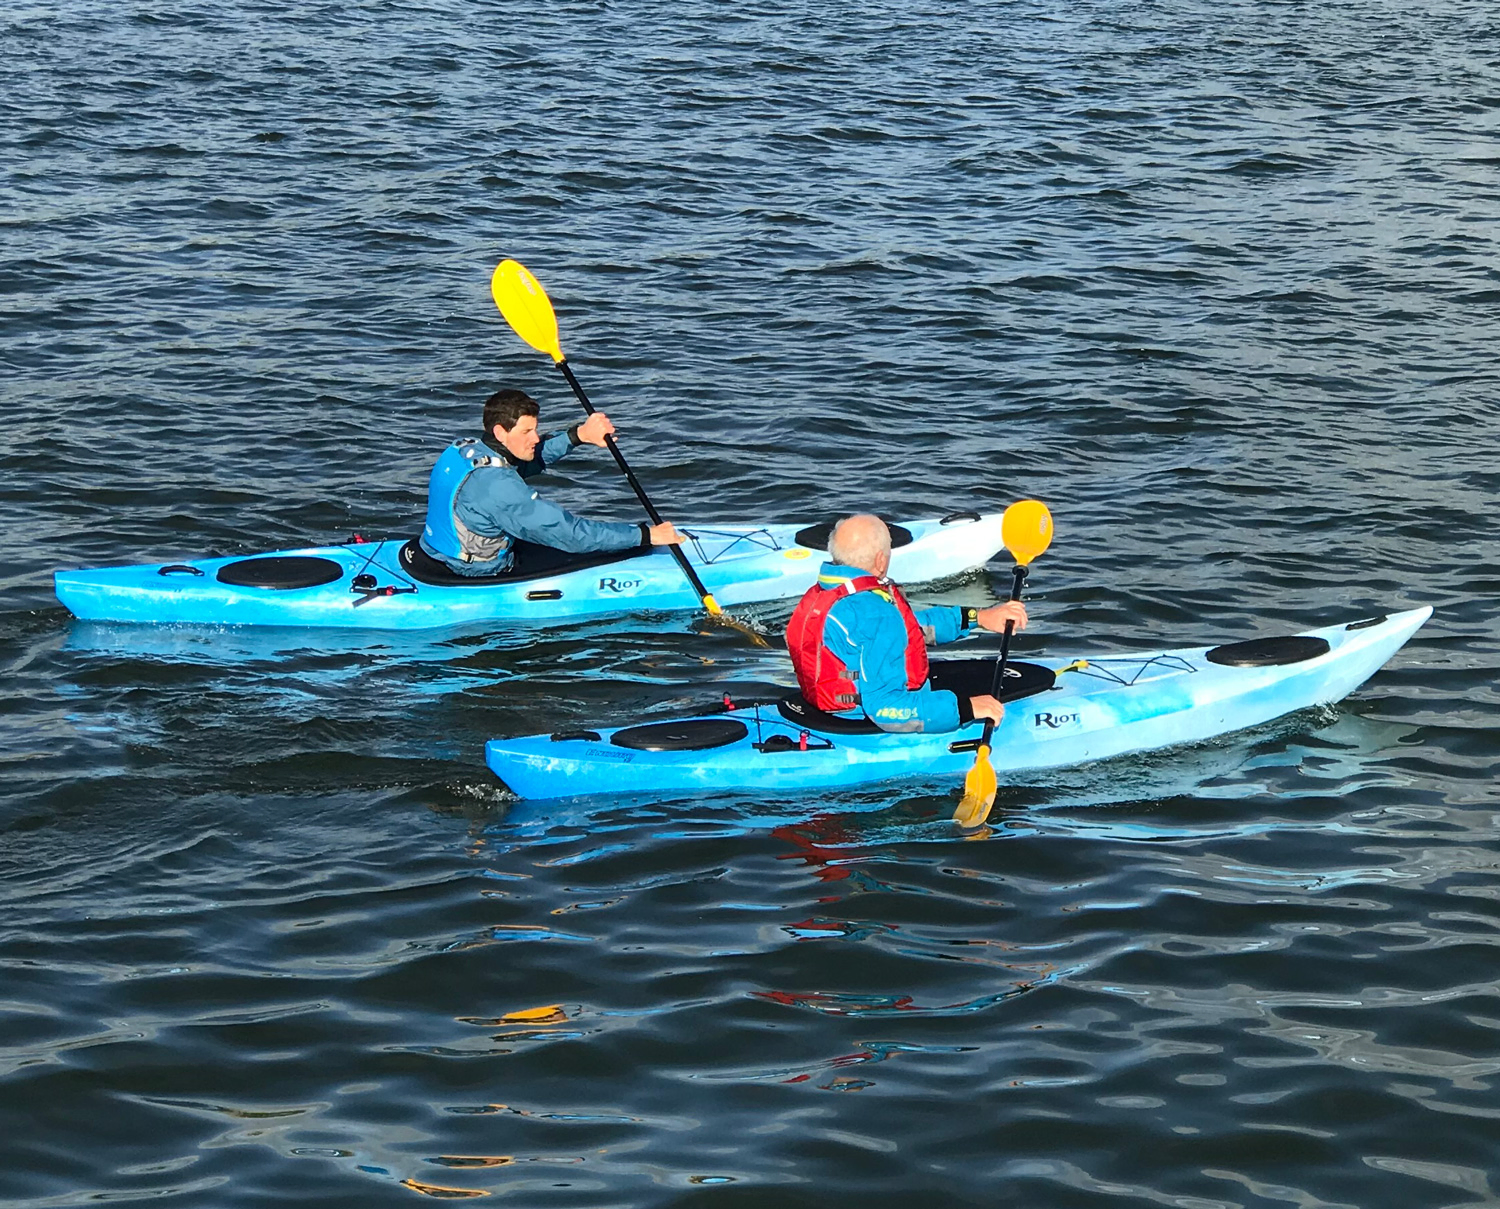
(479, 503)
(859, 649)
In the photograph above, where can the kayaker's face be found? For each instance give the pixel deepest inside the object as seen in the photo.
(520, 440)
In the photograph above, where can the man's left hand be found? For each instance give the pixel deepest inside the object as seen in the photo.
(995, 617)
(593, 430)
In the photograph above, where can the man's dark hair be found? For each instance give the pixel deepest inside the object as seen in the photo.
(505, 407)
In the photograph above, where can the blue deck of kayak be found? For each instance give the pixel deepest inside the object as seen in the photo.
(1118, 704)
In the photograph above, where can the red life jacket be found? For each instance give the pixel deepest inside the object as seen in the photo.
(825, 682)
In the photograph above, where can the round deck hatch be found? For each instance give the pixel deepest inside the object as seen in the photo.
(1268, 652)
(281, 571)
(693, 734)
(815, 537)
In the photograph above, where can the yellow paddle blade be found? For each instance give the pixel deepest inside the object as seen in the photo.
(979, 792)
(733, 623)
(719, 617)
(1026, 530)
(526, 307)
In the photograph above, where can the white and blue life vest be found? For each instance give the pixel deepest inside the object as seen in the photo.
(444, 535)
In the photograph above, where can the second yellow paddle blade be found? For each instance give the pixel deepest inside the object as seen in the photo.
(1026, 530)
(526, 307)
(979, 792)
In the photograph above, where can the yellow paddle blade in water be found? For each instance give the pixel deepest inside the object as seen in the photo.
(1026, 530)
(979, 792)
(526, 307)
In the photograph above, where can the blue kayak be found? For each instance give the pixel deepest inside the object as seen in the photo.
(393, 585)
(1109, 706)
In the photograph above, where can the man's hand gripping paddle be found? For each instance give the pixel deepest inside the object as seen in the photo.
(529, 312)
(1026, 530)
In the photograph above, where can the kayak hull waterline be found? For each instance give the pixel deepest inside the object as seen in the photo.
(1119, 704)
(739, 564)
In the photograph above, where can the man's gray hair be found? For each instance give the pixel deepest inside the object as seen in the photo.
(859, 541)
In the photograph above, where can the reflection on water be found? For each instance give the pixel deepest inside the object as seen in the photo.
(1215, 283)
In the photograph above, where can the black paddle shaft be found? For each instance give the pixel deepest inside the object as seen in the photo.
(640, 492)
(1018, 579)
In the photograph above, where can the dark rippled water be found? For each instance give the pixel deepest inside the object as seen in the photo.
(1217, 281)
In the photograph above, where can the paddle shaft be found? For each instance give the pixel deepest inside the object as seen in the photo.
(1018, 578)
(640, 492)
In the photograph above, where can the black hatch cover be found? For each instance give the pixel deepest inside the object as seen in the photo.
(280, 571)
(815, 537)
(691, 734)
(1268, 652)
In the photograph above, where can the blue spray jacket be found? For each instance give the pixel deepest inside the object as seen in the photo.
(865, 632)
(478, 502)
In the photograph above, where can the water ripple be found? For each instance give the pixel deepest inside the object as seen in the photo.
(1217, 283)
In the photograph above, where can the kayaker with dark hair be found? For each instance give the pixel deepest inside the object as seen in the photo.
(479, 501)
(859, 649)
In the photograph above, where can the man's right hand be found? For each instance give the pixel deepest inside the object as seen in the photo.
(593, 430)
(986, 707)
(665, 535)
(995, 617)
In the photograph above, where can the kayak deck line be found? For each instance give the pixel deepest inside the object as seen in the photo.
(388, 584)
(1109, 706)
(1101, 667)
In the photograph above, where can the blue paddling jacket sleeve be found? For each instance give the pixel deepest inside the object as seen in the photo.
(866, 633)
(553, 449)
(496, 499)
